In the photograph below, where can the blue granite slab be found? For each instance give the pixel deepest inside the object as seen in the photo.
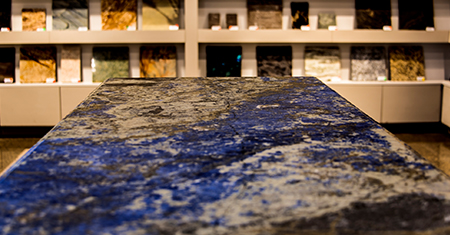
(221, 156)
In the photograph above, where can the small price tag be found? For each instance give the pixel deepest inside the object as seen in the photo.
(50, 80)
(332, 28)
(40, 29)
(82, 28)
(381, 78)
(233, 27)
(174, 27)
(75, 80)
(8, 80)
(253, 27)
(420, 79)
(305, 28)
(387, 28)
(429, 29)
(216, 27)
(131, 28)
(5, 29)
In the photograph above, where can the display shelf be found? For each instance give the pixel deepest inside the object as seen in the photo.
(397, 36)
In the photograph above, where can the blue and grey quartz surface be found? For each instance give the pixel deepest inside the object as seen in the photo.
(221, 156)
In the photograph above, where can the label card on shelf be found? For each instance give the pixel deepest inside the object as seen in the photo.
(216, 27)
(50, 80)
(387, 28)
(40, 29)
(253, 27)
(305, 28)
(75, 80)
(82, 28)
(174, 27)
(381, 78)
(5, 29)
(8, 80)
(420, 78)
(332, 28)
(233, 28)
(429, 29)
(131, 28)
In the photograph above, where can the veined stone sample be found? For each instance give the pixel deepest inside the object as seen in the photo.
(415, 14)
(274, 60)
(33, 19)
(158, 61)
(110, 62)
(160, 14)
(213, 20)
(368, 63)
(266, 14)
(373, 14)
(37, 64)
(407, 63)
(7, 63)
(299, 14)
(223, 61)
(118, 14)
(70, 14)
(326, 19)
(323, 62)
(5, 14)
(70, 70)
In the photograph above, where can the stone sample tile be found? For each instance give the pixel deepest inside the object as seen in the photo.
(160, 14)
(407, 63)
(274, 61)
(33, 19)
(323, 62)
(299, 14)
(118, 14)
(110, 62)
(70, 67)
(231, 20)
(415, 14)
(368, 63)
(266, 14)
(213, 20)
(158, 61)
(223, 61)
(326, 20)
(5, 14)
(373, 14)
(37, 64)
(7, 64)
(70, 14)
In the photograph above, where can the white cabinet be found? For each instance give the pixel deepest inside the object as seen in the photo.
(445, 118)
(72, 96)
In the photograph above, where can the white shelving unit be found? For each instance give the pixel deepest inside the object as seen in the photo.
(193, 37)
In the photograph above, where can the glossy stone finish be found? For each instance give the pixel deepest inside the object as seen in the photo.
(326, 20)
(222, 156)
(299, 14)
(415, 14)
(70, 14)
(7, 63)
(118, 14)
(323, 62)
(33, 19)
(5, 14)
(110, 62)
(266, 14)
(37, 64)
(274, 60)
(373, 14)
(223, 61)
(407, 63)
(160, 14)
(70, 66)
(158, 61)
(368, 63)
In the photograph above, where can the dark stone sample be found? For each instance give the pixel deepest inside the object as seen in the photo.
(415, 15)
(407, 63)
(231, 20)
(266, 14)
(274, 60)
(300, 14)
(213, 19)
(5, 13)
(223, 61)
(7, 63)
(373, 14)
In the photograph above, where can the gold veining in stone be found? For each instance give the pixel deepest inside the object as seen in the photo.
(33, 19)
(118, 14)
(158, 61)
(37, 64)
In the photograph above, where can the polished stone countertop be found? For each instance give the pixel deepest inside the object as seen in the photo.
(221, 156)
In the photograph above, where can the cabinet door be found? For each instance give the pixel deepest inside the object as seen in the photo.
(29, 106)
(72, 96)
(446, 106)
(367, 98)
(411, 103)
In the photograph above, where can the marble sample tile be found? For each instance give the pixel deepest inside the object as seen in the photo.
(368, 63)
(274, 61)
(158, 61)
(373, 14)
(160, 14)
(110, 62)
(118, 14)
(213, 20)
(37, 64)
(70, 14)
(299, 14)
(407, 63)
(223, 61)
(326, 20)
(5, 14)
(415, 14)
(7, 63)
(323, 62)
(222, 156)
(266, 14)
(33, 19)
(70, 70)
(231, 20)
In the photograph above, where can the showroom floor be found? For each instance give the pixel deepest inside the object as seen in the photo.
(433, 146)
